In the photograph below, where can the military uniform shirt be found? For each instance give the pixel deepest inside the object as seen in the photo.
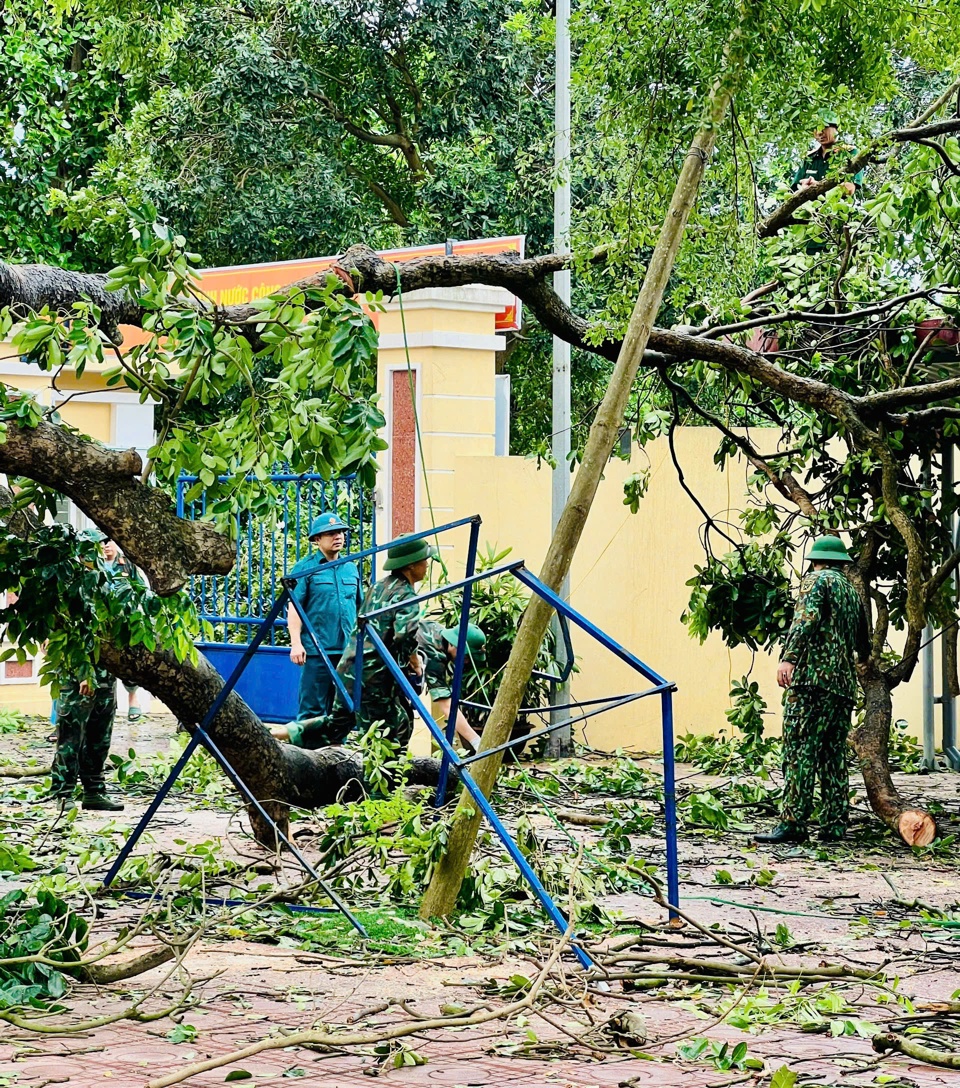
(438, 667)
(817, 165)
(398, 629)
(329, 595)
(827, 634)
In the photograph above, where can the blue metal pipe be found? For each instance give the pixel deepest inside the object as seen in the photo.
(219, 901)
(228, 770)
(358, 668)
(476, 793)
(440, 796)
(151, 811)
(211, 713)
(621, 701)
(448, 587)
(544, 591)
(576, 703)
(375, 549)
(670, 803)
(277, 477)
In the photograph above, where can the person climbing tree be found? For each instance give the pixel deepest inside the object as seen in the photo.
(816, 165)
(817, 671)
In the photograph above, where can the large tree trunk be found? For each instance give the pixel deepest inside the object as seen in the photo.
(105, 485)
(278, 775)
(441, 896)
(871, 743)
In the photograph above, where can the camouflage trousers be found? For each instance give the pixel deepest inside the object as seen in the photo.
(815, 727)
(84, 732)
(380, 701)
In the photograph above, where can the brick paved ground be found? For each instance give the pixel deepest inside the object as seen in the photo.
(842, 909)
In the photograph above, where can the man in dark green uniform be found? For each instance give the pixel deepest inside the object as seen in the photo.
(85, 713)
(406, 565)
(817, 164)
(818, 671)
(329, 596)
(438, 648)
(116, 563)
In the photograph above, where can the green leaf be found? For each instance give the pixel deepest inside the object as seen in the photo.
(784, 1077)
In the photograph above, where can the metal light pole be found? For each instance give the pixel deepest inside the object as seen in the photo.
(560, 742)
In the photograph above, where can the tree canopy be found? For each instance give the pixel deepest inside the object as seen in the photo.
(264, 130)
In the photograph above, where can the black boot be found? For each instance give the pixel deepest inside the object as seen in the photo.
(783, 832)
(831, 835)
(96, 800)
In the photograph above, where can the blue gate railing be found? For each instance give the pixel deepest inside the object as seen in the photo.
(235, 604)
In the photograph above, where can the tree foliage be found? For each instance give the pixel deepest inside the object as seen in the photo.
(284, 128)
(59, 100)
(262, 128)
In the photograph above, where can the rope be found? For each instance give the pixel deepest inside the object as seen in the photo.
(416, 418)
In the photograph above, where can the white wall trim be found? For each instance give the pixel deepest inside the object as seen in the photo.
(460, 396)
(20, 369)
(105, 396)
(456, 434)
(465, 341)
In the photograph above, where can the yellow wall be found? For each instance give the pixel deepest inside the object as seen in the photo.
(628, 577)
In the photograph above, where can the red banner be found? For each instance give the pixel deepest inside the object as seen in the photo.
(246, 282)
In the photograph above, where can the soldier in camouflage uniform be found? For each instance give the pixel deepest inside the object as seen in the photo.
(438, 647)
(818, 671)
(380, 700)
(85, 713)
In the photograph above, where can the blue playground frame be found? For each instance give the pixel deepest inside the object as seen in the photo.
(443, 736)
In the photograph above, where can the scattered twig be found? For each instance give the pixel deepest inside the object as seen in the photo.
(366, 1038)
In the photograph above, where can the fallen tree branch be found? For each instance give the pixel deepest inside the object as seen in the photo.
(105, 484)
(911, 1047)
(102, 974)
(338, 1040)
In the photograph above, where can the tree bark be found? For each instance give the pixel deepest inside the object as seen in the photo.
(105, 485)
(871, 742)
(27, 288)
(278, 775)
(441, 896)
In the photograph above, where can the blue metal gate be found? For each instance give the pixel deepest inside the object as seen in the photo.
(234, 604)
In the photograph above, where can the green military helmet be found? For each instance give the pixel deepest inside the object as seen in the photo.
(327, 523)
(829, 549)
(476, 640)
(406, 551)
(828, 117)
(93, 534)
